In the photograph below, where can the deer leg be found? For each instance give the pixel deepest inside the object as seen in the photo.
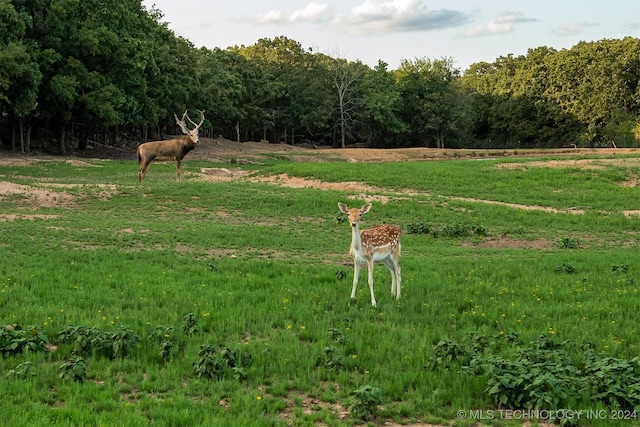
(389, 263)
(373, 298)
(356, 274)
(143, 170)
(178, 170)
(394, 268)
(398, 281)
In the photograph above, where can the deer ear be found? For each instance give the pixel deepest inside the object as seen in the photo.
(365, 208)
(343, 208)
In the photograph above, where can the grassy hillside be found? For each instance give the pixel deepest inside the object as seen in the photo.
(225, 301)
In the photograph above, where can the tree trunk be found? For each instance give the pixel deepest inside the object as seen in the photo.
(21, 136)
(82, 141)
(13, 135)
(62, 149)
(28, 137)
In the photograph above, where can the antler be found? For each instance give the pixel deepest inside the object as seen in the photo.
(181, 123)
(201, 119)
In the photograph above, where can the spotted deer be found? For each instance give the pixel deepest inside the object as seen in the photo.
(380, 243)
(171, 149)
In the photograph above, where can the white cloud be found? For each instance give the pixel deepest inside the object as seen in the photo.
(313, 12)
(271, 17)
(571, 29)
(506, 22)
(398, 16)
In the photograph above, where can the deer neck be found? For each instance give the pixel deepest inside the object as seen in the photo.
(356, 239)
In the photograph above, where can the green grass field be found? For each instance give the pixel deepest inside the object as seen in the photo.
(226, 302)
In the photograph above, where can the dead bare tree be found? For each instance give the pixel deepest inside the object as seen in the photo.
(345, 75)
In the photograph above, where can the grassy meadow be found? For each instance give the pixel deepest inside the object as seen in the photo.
(226, 302)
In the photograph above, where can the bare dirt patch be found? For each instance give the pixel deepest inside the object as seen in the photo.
(33, 197)
(576, 210)
(13, 217)
(595, 164)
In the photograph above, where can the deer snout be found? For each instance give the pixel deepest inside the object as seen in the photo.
(353, 224)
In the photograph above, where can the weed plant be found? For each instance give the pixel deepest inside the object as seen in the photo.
(227, 303)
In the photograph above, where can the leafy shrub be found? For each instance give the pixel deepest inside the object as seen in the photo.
(566, 268)
(123, 341)
(190, 325)
(15, 340)
(447, 352)
(615, 382)
(165, 337)
(448, 230)
(365, 405)
(86, 340)
(212, 362)
(209, 365)
(569, 243)
(21, 371)
(418, 228)
(333, 358)
(74, 369)
(544, 374)
(336, 335)
(620, 269)
(235, 359)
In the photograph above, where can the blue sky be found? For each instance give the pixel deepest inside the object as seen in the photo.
(392, 30)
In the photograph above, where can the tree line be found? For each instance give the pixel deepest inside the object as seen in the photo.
(78, 72)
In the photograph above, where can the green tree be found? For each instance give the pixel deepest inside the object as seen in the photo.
(20, 76)
(598, 83)
(430, 95)
(381, 125)
(220, 87)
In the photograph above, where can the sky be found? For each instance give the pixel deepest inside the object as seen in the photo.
(466, 31)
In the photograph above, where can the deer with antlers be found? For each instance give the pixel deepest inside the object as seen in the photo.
(380, 243)
(171, 149)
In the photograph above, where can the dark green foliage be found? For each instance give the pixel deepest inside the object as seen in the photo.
(447, 230)
(447, 352)
(366, 402)
(333, 358)
(546, 374)
(190, 325)
(15, 340)
(123, 341)
(566, 268)
(74, 369)
(569, 243)
(114, 67)
(620, 269)
(21, 371)
(336, 335)
(418, 228)
(209, 364)
(615, 382)
(165, 337)
(86, 340)
(214, 361)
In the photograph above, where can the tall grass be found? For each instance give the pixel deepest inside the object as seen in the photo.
(265, 270)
